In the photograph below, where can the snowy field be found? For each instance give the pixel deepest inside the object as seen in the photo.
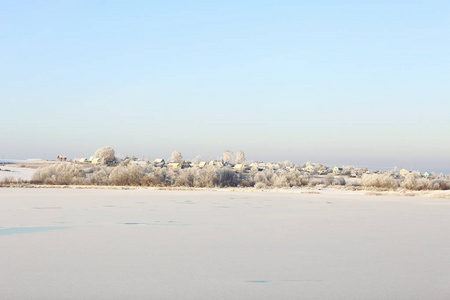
(16, 173)
(153, 244)
(21, 169)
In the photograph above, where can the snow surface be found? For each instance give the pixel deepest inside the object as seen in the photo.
(153, 244)
(16, 173)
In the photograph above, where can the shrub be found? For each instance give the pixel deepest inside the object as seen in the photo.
(440, 184)
(226, 177)
(186, 178)
(154, 177)
(413, 181)
(316, 181)
(260, 185)
(329, 179)
(100, 176)
(129, 175)
(379, 181)
(260, 177)
(61, 174)
(279, 181)
(339, 181)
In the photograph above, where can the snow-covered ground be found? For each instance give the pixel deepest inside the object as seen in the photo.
(152, 244)
(22, 169)
(16, 173)
(25, 161)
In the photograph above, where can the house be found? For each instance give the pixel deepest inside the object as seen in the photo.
(174, 166)
(90, 159)
(202, 164)
(260, 166)
(239, 167)
(216, 163)
(426, 175)
(404, 172)
(310, 167)
(139, 162)
(159, 162)
(272, 166)
(95, 161)
(337, 170)
(186, 164)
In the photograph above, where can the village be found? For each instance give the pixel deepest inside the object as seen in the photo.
(246, 167)
(107, 168)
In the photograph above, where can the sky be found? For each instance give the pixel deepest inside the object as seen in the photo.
(361, 83)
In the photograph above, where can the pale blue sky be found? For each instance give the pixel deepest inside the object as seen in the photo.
(341, 82)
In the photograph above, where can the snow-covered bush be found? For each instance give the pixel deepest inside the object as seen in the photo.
(440, 184)
(226, 177)
(186, 178)
(205, 177)
(100, 176)
(60, 174)
(154, 177)
(279, 181)
(329, 179)
(379, 181)
(129, 175)
(316, 181)
(260, 177)
(260, 185)
(339, 181)
(413, 181)
(304, 178)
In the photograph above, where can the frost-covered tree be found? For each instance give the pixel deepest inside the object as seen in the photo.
(240, 157)
(285, 164)
(105, 154)
(197, 160)
(176, 157)
(228, 157)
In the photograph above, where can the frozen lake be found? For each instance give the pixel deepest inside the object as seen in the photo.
(152, 244)
(16, 173)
